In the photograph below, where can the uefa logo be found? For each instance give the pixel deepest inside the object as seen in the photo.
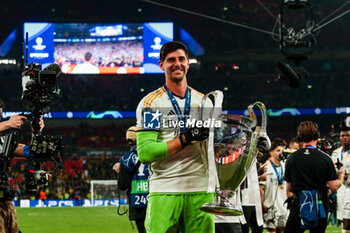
(39, 44)
(151, 120)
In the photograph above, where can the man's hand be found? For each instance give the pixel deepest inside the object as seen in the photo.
(41, 124)
(264, 208)
(16, 121)
(116, 167)
(194, 134)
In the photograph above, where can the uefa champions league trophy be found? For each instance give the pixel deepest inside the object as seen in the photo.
(231, 151)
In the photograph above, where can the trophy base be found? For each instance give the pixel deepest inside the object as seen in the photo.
(213, 208)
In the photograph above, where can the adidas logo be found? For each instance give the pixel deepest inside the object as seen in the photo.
(170, 113)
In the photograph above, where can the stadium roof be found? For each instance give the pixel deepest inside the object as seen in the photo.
(215, 33)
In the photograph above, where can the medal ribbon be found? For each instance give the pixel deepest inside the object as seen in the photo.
(310, 146)
(177, 107)
(279, 177)
(341, 154)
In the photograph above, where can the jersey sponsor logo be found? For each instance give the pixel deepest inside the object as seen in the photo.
(151, 120)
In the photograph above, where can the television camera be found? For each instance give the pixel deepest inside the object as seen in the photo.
(39, 87)
(39, 92)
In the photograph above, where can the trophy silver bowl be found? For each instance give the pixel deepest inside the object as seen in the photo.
(234, 151)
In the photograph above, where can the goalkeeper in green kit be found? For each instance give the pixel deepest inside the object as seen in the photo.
(179, 181)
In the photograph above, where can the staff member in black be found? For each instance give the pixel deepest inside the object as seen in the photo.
(309, 169)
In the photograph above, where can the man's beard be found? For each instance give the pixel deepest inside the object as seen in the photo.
(176, 79)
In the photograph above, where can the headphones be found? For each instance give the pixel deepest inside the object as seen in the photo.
(318, 133)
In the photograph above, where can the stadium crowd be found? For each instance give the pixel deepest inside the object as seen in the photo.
(104, 54)
(72, 183)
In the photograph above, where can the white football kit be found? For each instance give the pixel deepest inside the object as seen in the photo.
(338, 155)
(275, 194)
(185, 171)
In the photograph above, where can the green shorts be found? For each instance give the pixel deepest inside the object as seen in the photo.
(179, 212)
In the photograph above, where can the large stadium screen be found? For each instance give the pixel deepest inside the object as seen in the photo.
(128, 48)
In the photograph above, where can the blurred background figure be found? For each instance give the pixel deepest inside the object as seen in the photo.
(293, 144)
(338, 156)
(133, 178)
(310, 174)
(86, 67)
(273, 188)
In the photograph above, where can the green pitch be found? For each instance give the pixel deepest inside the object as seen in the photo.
(73, 220)
(81, 220)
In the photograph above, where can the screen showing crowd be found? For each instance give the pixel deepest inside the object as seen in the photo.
(130, 48)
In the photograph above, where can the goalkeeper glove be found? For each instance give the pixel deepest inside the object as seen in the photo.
(194, 134)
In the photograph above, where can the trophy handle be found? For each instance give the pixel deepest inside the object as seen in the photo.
(218, 98)
(261, 130)
(209, 158)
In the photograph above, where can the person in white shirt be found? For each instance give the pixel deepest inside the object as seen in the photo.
(341, 156)
(179, 181)
(273, 190)
(251, 202)
(86, 67)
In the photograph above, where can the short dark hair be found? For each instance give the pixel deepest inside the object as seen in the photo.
(293, 140)
(171, 47)
(276, 143)
(88, 56)
(307, 131)
(2, 104)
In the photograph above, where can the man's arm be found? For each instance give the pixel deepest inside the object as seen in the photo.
(262, 191)
(335, 184)
(19, 151)
(150, 150)
(22, 150)
(289, 189)
(15, 122)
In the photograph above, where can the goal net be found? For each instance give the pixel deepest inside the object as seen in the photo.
(105, 192)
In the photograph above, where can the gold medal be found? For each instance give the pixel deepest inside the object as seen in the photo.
(281, 186)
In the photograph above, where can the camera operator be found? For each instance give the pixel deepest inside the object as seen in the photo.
(308, 172)
(340, 157)
(8, 219)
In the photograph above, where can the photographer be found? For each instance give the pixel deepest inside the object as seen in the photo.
(309, 174)
(267, 154)
(8, 219)
(273, 188)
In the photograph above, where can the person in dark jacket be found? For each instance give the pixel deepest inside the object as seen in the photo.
(133, 178)
(310, 173)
